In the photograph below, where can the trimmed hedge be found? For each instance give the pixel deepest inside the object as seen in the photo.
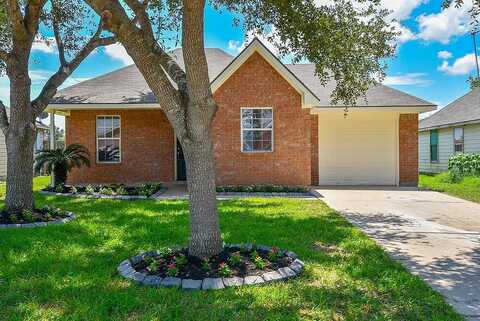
(465, 164)
(261, 189)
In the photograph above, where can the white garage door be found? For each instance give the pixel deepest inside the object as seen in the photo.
(360, 149)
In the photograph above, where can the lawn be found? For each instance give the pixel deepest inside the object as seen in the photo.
(67, 272)
(468, 188)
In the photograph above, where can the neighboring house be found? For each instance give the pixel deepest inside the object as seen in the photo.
(453, 129)
(40, 144)
(275, 125)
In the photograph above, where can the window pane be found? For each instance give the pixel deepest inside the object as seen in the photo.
(434, 137)
(108, 150)
(266, 113)
(116, 122)
(458, 148)
(458, 134)
(257, 140)
(247, 122)
(116, 132)
(100, 122)
(257, 113)
(108, 122)
(434, 153)
(100, 132)
(108, 132)
(266, 123)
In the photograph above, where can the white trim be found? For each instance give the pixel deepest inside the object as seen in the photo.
(308, 98)
(256, 129)
(470, 122)
(397, 150)
(67, 107)
(399, 109)
(119, 140)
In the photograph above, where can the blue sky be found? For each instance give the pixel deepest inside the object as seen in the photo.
(434, 56)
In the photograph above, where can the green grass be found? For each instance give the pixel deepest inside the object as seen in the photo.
(68, 272)
(468, 188)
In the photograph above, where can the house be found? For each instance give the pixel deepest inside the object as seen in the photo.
(41, 143)
(275, 125)
(453, 129)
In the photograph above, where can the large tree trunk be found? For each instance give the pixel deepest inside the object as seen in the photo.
(205, 237)
(20, 139)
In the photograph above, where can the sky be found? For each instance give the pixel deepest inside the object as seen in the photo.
(434, 58)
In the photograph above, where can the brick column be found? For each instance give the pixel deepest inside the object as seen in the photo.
(408, 153)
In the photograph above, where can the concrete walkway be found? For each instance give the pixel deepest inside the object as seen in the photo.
(435, 235)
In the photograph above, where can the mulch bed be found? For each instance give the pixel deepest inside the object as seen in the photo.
(46, 214)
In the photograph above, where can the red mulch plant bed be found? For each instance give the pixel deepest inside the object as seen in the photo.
(231, 262)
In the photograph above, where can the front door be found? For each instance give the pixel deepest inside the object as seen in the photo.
(181, 167)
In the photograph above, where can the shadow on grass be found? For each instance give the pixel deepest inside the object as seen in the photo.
(68, 272)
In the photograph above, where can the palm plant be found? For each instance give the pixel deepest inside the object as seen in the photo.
(61, 161)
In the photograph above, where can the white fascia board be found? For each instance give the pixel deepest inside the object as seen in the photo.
(308, 98)
(397, 109)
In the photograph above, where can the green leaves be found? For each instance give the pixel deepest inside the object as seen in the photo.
(348, 42)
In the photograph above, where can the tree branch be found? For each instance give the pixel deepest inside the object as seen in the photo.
(64, 71)
(141, 16)
(33, 10)
(3, 118)
(58, 37)
(16, 18)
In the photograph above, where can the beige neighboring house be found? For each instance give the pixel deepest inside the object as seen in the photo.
(453, 129)
(41, 143)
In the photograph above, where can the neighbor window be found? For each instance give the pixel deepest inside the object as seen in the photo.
(257, 129)
(108, 139)
(458, 138)
(434, 145)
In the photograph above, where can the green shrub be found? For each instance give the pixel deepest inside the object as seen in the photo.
(106, 191)
(27, 216)
(90, 190)
(59, 188)
(148, 189)
(121, 190)
(261, 189)
(464, 165)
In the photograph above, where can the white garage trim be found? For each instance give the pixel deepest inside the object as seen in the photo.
(361, 149)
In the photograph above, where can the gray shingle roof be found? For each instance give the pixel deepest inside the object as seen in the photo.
(465, 109)
(127, 86)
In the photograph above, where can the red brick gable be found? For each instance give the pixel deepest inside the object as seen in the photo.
(257, 84)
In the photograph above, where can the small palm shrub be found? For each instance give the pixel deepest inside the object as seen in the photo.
(460, 165)
(61, 161)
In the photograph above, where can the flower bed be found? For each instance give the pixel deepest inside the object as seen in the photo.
(108, 191)
(39, 217)
(236, 265)
(261, 189)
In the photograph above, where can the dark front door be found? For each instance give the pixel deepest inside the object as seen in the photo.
(181, 167)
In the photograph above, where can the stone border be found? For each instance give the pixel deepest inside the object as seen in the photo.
(127, 271)
(70, 217)
(102, 196)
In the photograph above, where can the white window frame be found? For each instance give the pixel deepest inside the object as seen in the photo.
(119, 139)
(256, 129)
(455, 141)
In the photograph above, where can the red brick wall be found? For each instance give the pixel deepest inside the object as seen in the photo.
(147, 147)
(257, 84)
(314, 150)
(408, 142)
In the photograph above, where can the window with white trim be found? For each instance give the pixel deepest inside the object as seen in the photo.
(458, 139)
(257, 129)
(108, 139)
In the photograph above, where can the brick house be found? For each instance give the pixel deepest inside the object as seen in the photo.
(275, 125)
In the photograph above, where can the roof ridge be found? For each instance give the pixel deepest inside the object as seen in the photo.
(447, 107)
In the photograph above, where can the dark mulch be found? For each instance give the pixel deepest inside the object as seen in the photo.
(194, 268)
(38, 215)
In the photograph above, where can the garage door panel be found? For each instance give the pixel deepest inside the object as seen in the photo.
(358, 150)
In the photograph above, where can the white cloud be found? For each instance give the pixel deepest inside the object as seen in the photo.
(405, 33)
(445, 25)
(118, 52)
(46, 45)
(5, 90)
(268, 40)
(401, 9)
(407, 79)
(444, 54)
(461, 66)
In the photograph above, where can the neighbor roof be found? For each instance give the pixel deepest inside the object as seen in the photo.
(127, 86)
(466, 109)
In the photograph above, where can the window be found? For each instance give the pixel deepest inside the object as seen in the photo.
(434, 145)
(108, 139)
(458, 138)
(257, 129)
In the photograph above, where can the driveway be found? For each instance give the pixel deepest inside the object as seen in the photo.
(435, 235)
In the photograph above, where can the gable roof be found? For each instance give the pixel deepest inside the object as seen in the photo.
(465, 109)
(127, 86)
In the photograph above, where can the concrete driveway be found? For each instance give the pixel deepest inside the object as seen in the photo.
(435, 235)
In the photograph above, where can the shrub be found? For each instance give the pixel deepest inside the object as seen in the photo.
(90, 190)
(172, 270)
(106, 191)
(59, 188)
(121, 190)
(235, 259)
(27, 216)
(148, 189)
(464, 165)
(224, 270)
(259, 263)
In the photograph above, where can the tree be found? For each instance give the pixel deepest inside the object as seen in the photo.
(60, 161)
(346, 41)
(19, 29)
